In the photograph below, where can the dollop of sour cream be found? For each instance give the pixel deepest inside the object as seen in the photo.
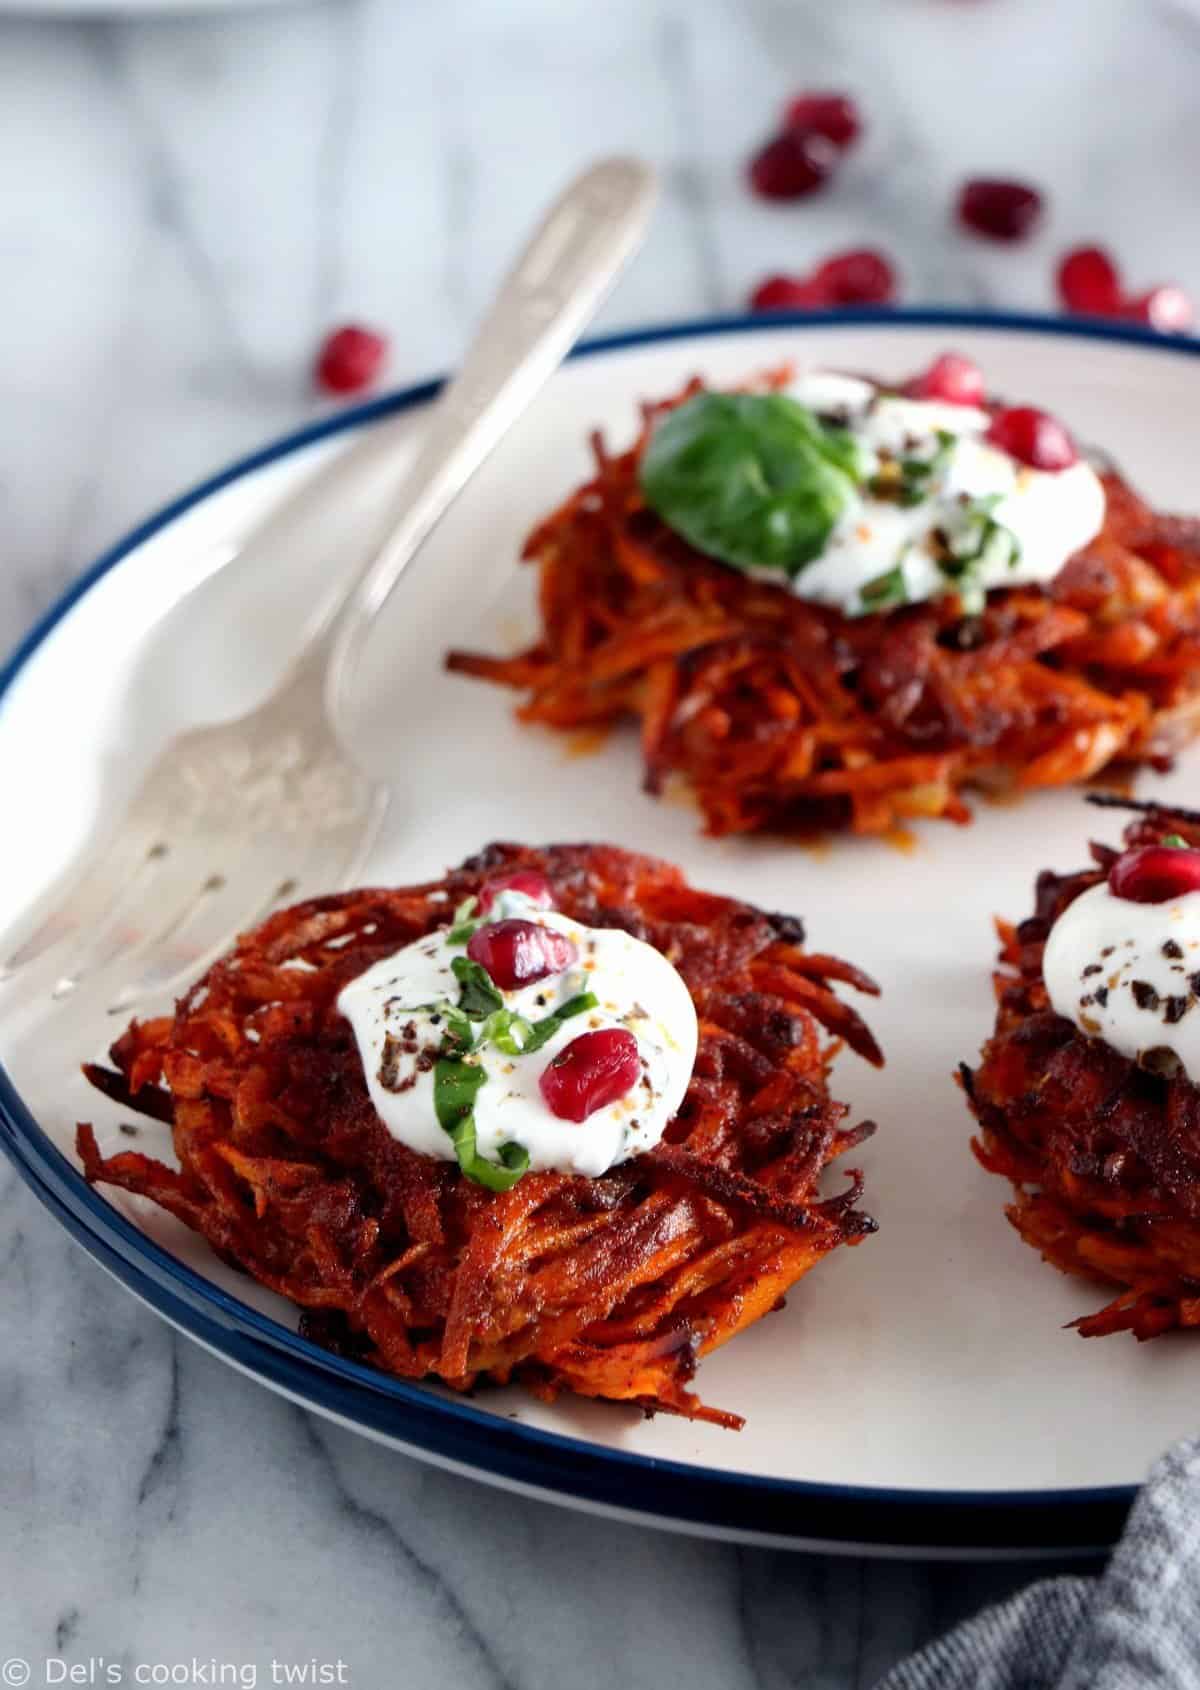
(398, 1035)
(981, 518)
(1127, 973)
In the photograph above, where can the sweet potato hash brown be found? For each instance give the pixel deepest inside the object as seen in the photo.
(781, 714)
(1103, 1155)
(610, 1287)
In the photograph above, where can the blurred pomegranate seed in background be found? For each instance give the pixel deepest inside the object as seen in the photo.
(786, 293)
(1003, 211)
(1088, 281)
(795, 163)
(951, 378)
(350, 359)
(1033, 437)
(862, 277)
(833, 115)
(1166, 308)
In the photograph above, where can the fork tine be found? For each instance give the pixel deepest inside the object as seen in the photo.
(335, 862)
(180, 950)
(173, 954)
(281, 773)
(167, 892)
(85, 902)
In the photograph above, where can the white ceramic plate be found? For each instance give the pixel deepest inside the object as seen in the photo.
(919, 1390)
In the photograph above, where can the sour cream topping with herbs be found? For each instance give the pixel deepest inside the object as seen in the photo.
(863, 500)
(404, 1011)
(938, 508)
(1128, 973)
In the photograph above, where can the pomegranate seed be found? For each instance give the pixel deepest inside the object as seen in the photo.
(792, 165)
(786, 293)
(1166, 308)
(1088, 281)
(350, 359)
(526, 880)
(516, 953)
(833, 115)
(1033, 438)
(1152, 874)
(861, 277)
(951, 378)
(1004, 211)
(593, 1070)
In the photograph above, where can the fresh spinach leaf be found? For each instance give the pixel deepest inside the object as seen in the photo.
(753, 479)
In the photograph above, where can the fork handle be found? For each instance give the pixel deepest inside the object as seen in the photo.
(548, 296)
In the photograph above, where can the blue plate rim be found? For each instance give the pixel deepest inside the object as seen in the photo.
(962, 1521)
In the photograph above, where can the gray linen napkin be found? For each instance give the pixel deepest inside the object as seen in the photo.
(1135, 1626)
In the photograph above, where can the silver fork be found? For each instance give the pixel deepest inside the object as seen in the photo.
(237, 818)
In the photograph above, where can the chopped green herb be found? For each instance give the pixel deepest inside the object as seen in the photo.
(496, 1176)
(977, 545)
(885, 591)
(906, 481)
(753, 479)
(456, 1082)
(543, 1031)
(455, 1086)
(463, 928)
(459, 1035)
(507, 1030)
(915, 489)
(516, 1036)
(1177, 841)
(479, 997)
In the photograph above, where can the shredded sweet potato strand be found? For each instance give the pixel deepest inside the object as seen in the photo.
(610, 1287)
(783, 715)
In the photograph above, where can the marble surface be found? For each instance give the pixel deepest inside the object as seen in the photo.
(185, 204)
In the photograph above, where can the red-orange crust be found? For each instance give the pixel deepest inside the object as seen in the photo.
(611, 1287)
(783, 715)
(1103, 1156)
